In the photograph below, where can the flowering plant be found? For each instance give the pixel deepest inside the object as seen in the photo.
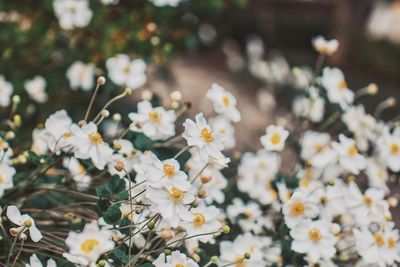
(139, 190)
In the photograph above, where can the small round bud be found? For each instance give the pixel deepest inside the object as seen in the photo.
(202, 193)
(133, 152)
(391, 101)
(25, 154)
(105, 113)
(128, 91)
(101, 263)
(101, 80)
(41, 161)
(372, 89)
(247, 255)
(196, 257)
(167, 251)
(174, 104)
(16, 99)
(214, 259)
(388, 217)
(23, 236)
(335, 229)
(117, 146)
(81, 123)
(119, 166)
(393, 202)
(176, 96)
(195, 204)
(151, 225)
(205, 179)
(351, 178)
(225, 229)
(147, 95)
(117, 117)
(22, 159)
(167, 234)
(17, 120)
(10, 135)
(331, 181)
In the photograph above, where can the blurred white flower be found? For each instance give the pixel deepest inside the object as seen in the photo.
(335, 84)
(175, 259)
(223, 126)
(298, 209)
(78, 172)
(57, 132)
(275, 137)
(6, 174)
(160, 3)
(109, 2)
(224, 102)
(316, 149)
(24, 222)
(72, 13)
(389, 149)
(126, 72)
(81, 75)
(6, 90)
(349, 157)
(36, 89)
(35, 262)
(325, 47)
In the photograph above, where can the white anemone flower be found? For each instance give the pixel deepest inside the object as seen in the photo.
(6, 174)
(349, 157)
(57, 130)
(155, 122)
(24, 222)
(298, 209)
(338, 91)
(324, 46)
(176, 259)
(275, 137)
(89, 143)
(36, 89)
(81, 75)
(126, 72)
(223, 126)
(35, 262)
(72, 13)
(389, 149)
(6, 90)
(86, 247)
(78, 172)
(224, 102)
(316, 149)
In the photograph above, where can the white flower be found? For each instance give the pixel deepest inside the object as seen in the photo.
(72, 13)
(126, 72)
(39, 141)
(323, 46)
(81, 75)
(224, 102)
(223, 126)
(171, 203)
(377, 174)
(172, 3)
(87, 246)
(78, 172)
(109, 2)
(156, 123)
(314, 239)
(6, 90)
(175, 259)
(24, 222)
(35, 262)
(166, 173)
(36, 89)
(338, 92)
(6, 174)
(274, 139)
(349, 157)
(88, 143)
(330, 199)
(205, 220)
(316, 149)
(126, 154)
(389, 149)
(310, 108)
(298, 209)
(200, 134)
(57, 130)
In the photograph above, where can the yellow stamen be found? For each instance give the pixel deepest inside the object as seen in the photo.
(89, 244)
(207, 135)
(297, 209)
(367, 201)
(275, 139)
(96, 138)
(226, 101)
(391, 242)
(394, 149)
(352, 151)
(155, 116)
(342, 85)
(169, 170)
(199, 219)
(315, 235)
(67, 135)
(176, 194)
(2, 180)
(379, 239)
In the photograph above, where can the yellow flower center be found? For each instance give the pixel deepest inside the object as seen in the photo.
(176, 194)
(179, 265)
(391, 242)
(367, 201)
(394, 149)
(297, 209)
(352, 151)
(199, 219)
(275, 139)
(315, 235)
(81, 169)
(96, 138)
(318, 148)
(2, 180)
(127, 69)
(169, 170)
(3, 145)
(155, 116)
(207, 135)
(28, 223)
(72, 9)
(67, 135)
(342, 85)
(379, 239)
(89, 244)
(226, 101)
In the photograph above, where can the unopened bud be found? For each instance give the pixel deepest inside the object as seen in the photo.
(17, 120)
(195, 204)
(10, 135)
(119, 166)
(101, 80)
(167, 251)
(81, 123)
(205, 179)
(167, 234)
(117, 117)
(128, 91)
(225, 229)
(16, 99)
(147, 95)
(151, 225)
(196, 257)
(393, 202)
(202, 193)
(247, 255)
(105, 113)
(335, 229)
(214, 259)
(23, 237)
(372, 89)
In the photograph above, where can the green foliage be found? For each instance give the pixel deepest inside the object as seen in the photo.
(115, 187)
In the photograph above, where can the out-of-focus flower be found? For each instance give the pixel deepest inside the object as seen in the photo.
(298, 209)
(78, 172)
(223, 126)
(274, 139)
(35, 262)
(72, 13)
(126, 72)
(389, 149)
(336, 86)
(81, 75)
(160, 3)
(6, 90)
(36, 89)
(349, 157)
(325, 47)
(175, 259)
(224, 102)
(24, 222)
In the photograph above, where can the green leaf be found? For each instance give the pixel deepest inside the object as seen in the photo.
(112, 215)
(119, 255)
(113, 187)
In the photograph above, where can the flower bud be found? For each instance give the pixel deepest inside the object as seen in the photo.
(167, 234)
(202, 193)
(176, 96)
(17, 120)
(10, 135)
(205, 179)
(128, 91)
(147, 95)
(151, 225)
(105, 113)
(16, 99)
(335, 229)
(225, 229)
(101, 80)
(117, 117)
(194, 204)
(117, 146)
(119, 166)
(23, 236)
(372, 89)
(196, 257)
(214, 259)
(247, 255)
(101, 263)
(81, 123)
(167, 251)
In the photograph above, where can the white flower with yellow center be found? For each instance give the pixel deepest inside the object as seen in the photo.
(389, 149)
(72, 13)
(315, 240)
(199, 134)
(309, 108)
(39, 141)
(171, 203)
(335, 84)
(155, 122)
(81, 75)
(316, 149)
(224, 102)
(35, 262)
(126, 72)
(176, 259)
(298, 209)
(377, 174)
(6, 174)
(78, 172)
(57, 132)
(86, 247)
(330, 199)
(223, 126)
(89, 143)
(36, 89)
(24, 222)
(205, 220)
(274, 139)
(126, 154)
(6, 90)
(324, 46)
(166, 173)
(348, 155)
